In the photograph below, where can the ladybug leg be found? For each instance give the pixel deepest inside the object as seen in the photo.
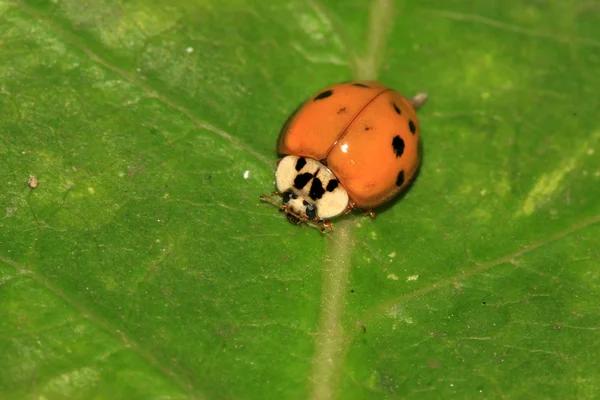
(349, 207)
(370, 213)
(316, 223)
(321, 224)
(270, 199)
(418, 100)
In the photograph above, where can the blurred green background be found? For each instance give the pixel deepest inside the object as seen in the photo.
(144, 266)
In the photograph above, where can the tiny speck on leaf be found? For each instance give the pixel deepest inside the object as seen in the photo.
(32, 182)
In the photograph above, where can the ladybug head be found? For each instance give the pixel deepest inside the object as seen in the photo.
(297, 209)
(310, 191)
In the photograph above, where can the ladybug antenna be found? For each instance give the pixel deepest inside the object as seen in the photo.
(271, 199)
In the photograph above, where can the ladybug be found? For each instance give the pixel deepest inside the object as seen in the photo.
(352, 145)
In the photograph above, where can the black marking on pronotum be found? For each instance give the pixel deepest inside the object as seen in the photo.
(300, 163)
(302, 179)
(398, 146)
(412, 127)
(396, 109)
(332, 184)
(400, 179)
(360, 85)
(324, 95)
(316, 189)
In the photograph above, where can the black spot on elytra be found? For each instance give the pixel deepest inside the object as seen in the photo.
(324, 95)
(396, 109)
(342, 110)
(412, 127)
(316, 189)
(360, 85)
(367, 128)
(398, 146)
(400, 179)
(300, 163)
(332, 184)
(302, 179)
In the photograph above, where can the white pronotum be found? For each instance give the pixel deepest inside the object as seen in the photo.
(310, 189)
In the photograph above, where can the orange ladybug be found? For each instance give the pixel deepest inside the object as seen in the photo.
(352, 145)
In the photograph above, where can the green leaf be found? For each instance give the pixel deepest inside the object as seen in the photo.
(144, 266)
